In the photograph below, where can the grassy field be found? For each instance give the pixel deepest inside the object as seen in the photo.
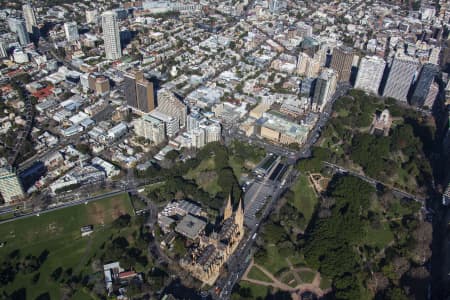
(205, 176)
(305, 199)
(138, 203)
(237, 167)
(379, 237)
(307, 276)
(59, 233)
(289, 279)
(257, 274)
(325, 283)
(275, 261)
(205, 165)
(256, 290)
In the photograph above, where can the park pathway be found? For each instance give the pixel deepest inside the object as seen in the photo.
(291, 267)
(312, 287)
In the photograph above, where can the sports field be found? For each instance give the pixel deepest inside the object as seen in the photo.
(59, 233)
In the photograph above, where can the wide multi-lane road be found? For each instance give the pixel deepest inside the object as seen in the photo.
(65, 205)
(238, 262)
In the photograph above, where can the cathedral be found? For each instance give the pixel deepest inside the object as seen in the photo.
(206, 259)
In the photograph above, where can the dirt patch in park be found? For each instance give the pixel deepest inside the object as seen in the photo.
(52, 227)
(101, 213)
(96, 214)
(117, 210)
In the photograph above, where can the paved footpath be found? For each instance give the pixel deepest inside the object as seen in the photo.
(312, 287)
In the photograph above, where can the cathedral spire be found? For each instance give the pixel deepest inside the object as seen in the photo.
(239, 216)
(228, 211)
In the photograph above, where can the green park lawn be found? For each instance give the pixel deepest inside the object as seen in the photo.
(58, 232)
(325, 283)
(304, 198)
(257, 274)
(307, 276)
(236, 166)
(290, 280)
(205, 176)
(275, 261)
(380, 236)
(256, 290)
(240, 167)
(205, 165)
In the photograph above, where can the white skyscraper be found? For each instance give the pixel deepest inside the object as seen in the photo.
(18, 26)
(212, 131)
(30, 18)
(171, 123)
(370, 74)
(325, 87)
(193, 120)
(400, 77)
(111, 35)
(71, 30)
(198, 138)
(150, 128)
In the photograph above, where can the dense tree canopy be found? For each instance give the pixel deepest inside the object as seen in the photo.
(330, 242)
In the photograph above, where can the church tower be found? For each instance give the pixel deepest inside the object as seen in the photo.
(239, 216)
(228, 211)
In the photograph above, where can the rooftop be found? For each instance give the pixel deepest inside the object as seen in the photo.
(190, 227)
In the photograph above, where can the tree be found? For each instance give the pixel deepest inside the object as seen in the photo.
(44, 296)
(315, 163)
(56, 274)
(7, 273)
(242, 293)
(120, 243)
(35, 278)
(83, 148)
(347, 287)
(422, 249)
(294, 146)
(172, 155)
(43, 256)
(330, 241)
(156, 278)
(274, 233)
(24, 78)
(371, 152)
(122, 221)
(396, 293)
(20, 294)
(14, 254)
